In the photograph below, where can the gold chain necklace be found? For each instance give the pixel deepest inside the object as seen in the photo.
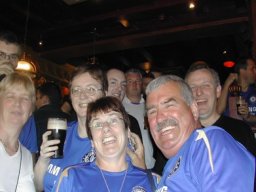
(105, 181)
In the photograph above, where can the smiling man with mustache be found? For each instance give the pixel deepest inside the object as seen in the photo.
(198, 159)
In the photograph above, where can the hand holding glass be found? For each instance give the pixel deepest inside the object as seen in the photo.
(241, 106)
(58, 127)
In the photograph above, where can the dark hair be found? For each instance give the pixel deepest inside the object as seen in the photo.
(95, 71)
(9, 37)
(241, 64)
(105, 104)
(148, 75)
(53, 92)
(197, 65)
(67, 99)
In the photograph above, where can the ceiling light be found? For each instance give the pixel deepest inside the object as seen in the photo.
(146, 66)
(229, 64)
(40, 43)
(25, 64)
(124, 21)
(191, 5)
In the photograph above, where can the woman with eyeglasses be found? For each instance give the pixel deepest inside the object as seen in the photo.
(107, 125)
(87, 84)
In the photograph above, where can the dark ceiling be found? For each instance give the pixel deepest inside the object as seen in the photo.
(163, 32)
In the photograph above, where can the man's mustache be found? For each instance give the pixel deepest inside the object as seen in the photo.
(166, 123)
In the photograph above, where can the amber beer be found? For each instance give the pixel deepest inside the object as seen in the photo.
(58, 127)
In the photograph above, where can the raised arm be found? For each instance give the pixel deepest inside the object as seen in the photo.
(46, 151)
(222, 100)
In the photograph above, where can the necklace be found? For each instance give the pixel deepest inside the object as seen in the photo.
(105, 181)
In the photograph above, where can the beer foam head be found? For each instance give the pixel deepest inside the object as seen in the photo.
(57, 123)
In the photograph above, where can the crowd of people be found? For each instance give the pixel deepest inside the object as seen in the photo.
(129, 131)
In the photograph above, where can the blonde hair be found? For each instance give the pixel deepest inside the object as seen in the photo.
(18, 79)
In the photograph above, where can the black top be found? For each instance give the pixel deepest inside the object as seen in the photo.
(41, 118)
(134, 126)
(239, 130)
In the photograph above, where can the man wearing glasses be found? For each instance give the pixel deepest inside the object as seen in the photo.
(134, 104)
(10, 49)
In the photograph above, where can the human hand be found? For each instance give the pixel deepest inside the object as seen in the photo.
(48, 147)
(242, 109)
(230, 79)
(137, 156)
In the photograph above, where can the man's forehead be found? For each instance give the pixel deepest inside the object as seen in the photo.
(115, 74)
(133, 75)
(9, 47)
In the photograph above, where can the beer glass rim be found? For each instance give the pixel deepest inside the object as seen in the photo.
(62, 122)
(57, 118)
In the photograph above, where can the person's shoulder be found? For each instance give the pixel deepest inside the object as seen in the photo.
(77, 167)
(235, 123)
(212, 133)
(216, 136)
(24, 150)
(26, 154)
(212, 129)
(72, 124)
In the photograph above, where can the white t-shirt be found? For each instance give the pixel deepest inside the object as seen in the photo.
(138, 111)
(14, 168)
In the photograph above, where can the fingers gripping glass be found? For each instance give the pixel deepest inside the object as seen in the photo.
(111, 122)
(76, 91)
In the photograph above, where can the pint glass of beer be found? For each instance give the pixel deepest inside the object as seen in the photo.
(58, 127)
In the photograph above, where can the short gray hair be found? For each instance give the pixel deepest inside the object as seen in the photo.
(185, 89)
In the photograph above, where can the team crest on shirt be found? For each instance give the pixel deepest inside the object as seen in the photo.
(138, 189)
(162, 189)
(175, 168)
(253, 99)
(89, 157)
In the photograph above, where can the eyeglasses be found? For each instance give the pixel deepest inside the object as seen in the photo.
(130, 82)
(111, 122)
(113, 83)
(76, 91)
(11, 57)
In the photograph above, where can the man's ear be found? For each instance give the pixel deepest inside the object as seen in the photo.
(218, 91)
(194, 110)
